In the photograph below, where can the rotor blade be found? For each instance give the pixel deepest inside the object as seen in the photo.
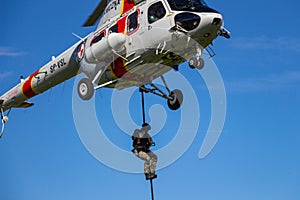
(96, 14)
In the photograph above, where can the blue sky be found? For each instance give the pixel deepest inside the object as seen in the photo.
(257, 156)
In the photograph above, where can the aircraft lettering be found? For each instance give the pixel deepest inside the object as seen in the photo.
(58, 65)
(112, 6)
(12, 93)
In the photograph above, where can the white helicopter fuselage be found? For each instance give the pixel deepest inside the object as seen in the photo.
(146, 42)
(126, 48)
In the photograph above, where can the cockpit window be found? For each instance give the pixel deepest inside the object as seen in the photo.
(156, 12)
(203, 2)
(190, 5)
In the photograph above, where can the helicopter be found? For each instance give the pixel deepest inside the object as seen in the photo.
(134, 43)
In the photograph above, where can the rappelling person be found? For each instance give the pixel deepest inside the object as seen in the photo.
(142, 142)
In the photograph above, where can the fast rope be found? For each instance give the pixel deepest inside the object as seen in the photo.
(144, 121)
(143, 106)
(152, 193)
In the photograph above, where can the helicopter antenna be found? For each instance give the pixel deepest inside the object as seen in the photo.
(80, 38)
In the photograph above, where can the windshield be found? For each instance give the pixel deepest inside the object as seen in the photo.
(189, 5)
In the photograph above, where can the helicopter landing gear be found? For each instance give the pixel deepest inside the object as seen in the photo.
(85, 89)
(176, 101)
(197, 61)
(174, 98)
(4, 119)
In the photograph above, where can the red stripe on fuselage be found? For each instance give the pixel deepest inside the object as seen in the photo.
(127, 5)
(118, 67)
(27, 86)
(122, 25)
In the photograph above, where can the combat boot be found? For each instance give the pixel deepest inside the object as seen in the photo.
(148, 176)
(153, 176)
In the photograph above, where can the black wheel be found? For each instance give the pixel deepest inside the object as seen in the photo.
(200, 63)
(176, 101)
(85, 89)
(192, 62)
(196, 63)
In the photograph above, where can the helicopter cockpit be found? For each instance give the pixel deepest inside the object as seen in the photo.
(188, 13)
(190, 6)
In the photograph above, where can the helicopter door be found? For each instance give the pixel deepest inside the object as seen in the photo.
(133, 31)
(133, 23)
(158, 23)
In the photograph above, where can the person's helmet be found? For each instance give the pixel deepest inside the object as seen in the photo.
(146, 126)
